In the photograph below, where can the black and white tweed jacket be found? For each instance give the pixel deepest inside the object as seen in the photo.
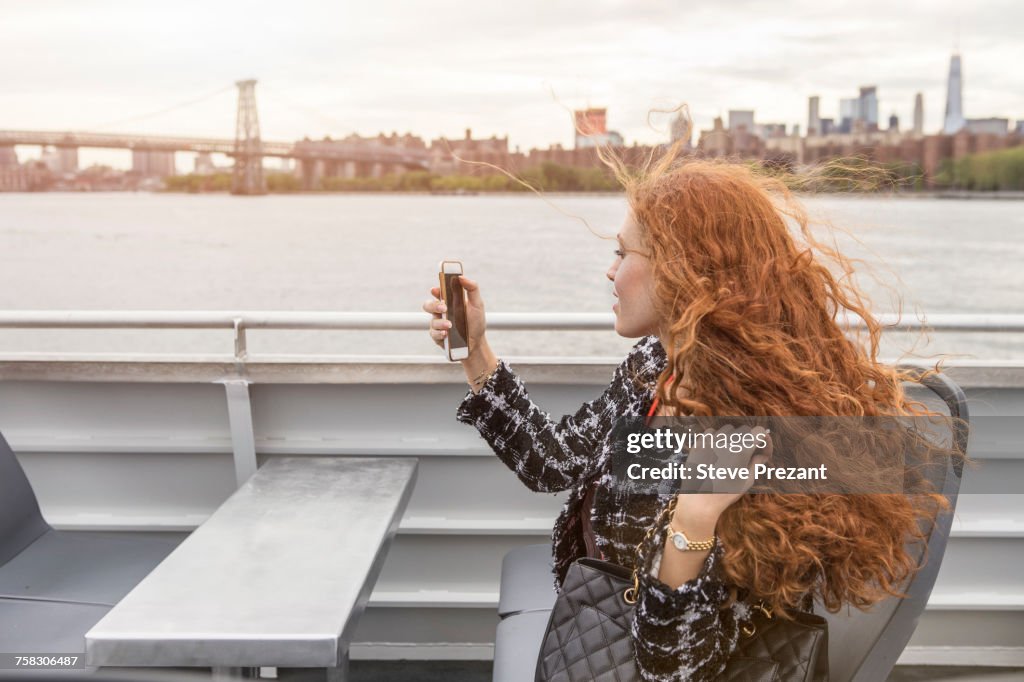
(680, 634)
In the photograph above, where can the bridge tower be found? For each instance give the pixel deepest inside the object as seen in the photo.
(248, 177)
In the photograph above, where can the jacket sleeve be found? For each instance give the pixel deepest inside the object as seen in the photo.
(684, 633)
(546, 455)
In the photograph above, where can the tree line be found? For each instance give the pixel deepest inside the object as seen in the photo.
(550, 177)
(1001, 170)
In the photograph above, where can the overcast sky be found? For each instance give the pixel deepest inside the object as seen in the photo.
(436, 68)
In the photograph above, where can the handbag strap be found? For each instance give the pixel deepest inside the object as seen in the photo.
(589, 539)
(633, 591)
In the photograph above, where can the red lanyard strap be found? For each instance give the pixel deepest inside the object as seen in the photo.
(654, 404)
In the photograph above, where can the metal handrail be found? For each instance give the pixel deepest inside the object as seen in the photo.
(241, 321)
(211, 319)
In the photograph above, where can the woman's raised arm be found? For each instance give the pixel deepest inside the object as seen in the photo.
(546, 455)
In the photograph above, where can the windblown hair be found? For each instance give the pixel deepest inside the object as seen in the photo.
(757, 328)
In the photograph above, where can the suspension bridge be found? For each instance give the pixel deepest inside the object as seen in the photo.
(315, 158)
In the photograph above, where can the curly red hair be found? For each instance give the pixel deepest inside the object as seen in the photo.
(754, 319)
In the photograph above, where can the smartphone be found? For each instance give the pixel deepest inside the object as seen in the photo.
(456, 342)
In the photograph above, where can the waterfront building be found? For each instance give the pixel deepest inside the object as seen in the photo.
(153, 164)
(61, 160)
(33, 176)
(991, 126)
(591, 127)
(741, 118)
(8, 157)
(919, 114)
(492, 150)
(681, 129)
(813, 116)
(738, 142)
(715, 142)
(767, 131)
(954, 119)
(867, 106)
(848, 113)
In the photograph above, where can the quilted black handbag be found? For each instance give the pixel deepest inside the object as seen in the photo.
(588, 634)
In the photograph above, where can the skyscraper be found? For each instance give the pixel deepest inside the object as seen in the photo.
(954, 98)
(813, 117)
(681, 128)
(741, 117)
(918, 114)
(867, 106)
(848, 107)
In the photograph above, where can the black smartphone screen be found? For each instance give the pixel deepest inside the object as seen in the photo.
(455, 299)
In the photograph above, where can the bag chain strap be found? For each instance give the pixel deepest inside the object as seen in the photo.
(632, 592)
(749, 628)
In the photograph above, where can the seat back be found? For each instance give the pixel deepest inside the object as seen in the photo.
(20, 520)
(864, 646)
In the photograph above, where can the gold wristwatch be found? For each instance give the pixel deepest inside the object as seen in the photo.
(685, 544)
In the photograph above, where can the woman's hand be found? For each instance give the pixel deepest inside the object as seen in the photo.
(476, 321)
(696, 515)
(699, 512)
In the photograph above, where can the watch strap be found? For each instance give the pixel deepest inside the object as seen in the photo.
(690, 545)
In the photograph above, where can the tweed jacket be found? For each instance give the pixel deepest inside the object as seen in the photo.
(678, 634)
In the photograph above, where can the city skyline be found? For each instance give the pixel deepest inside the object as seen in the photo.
(499, 73)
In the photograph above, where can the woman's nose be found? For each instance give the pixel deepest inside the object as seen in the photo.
(610, 274)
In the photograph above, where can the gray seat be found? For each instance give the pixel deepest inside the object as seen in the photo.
(863, 646)
(517, 645)
(83, 567)
(527, 582)
(55, 585)
(20, 520)
(46, 626)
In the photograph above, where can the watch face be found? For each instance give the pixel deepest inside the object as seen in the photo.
(679, 540)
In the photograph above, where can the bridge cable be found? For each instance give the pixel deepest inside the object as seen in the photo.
(278, 97)
(165, 110)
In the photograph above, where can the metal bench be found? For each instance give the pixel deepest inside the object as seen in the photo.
(278, 576)
(863, 646)
(55, 585)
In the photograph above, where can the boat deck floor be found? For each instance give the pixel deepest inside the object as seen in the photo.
(480, 671)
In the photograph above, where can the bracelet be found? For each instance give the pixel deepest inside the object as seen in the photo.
(486, 372)
(484, 376)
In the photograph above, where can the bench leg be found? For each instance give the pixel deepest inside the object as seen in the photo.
(340, 673)
(223, 674)
(336, 674)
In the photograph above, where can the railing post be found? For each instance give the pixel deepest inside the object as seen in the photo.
(243, 438)
(241, 348)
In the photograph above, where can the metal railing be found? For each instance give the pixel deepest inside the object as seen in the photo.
(990, 538)
(241, 321)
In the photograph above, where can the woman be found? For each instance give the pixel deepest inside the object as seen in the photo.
(735, 317)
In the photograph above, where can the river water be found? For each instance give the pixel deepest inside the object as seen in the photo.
(373, 252)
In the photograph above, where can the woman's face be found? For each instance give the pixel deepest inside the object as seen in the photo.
(633, 285)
